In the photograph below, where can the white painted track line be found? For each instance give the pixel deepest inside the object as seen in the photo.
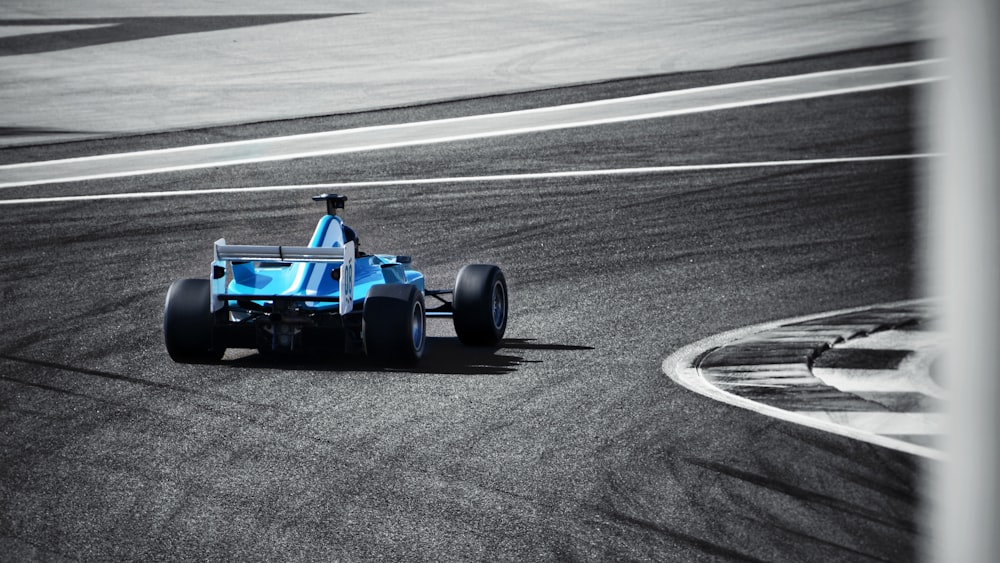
(899, 340)
(868, 380)
(587, 114)
(472, 179)
(886, 423)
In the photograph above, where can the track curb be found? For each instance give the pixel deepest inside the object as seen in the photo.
(780, 355)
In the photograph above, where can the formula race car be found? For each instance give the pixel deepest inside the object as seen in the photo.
(328, 297)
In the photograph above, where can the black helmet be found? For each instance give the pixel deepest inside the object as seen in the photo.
(351, 236)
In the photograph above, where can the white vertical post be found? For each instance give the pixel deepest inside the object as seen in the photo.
(964, 253)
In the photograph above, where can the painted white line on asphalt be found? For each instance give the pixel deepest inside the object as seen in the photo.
(886, 423)
(679, 366)
(296, 152)
(578, 105)
(898, 340)
(473, 179)
(868, 380)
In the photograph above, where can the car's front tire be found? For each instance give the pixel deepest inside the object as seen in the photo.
(189, 324)
(480, 305)
(394, 325)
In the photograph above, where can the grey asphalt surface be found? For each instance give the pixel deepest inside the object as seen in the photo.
(565, 443)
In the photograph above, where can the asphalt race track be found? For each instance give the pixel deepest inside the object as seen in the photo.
(567, 442)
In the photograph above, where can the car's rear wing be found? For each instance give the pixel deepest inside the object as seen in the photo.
(226, 253)
(245, 253)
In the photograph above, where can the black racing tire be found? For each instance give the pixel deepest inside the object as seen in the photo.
(189, 324)
(480, 305)
(394, 324)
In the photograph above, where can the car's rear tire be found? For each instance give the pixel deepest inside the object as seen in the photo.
(480, 304)
(189, 324)
(394, 324)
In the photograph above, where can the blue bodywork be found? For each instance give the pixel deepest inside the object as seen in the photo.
(318, 279)
(289, 298)
(327, 297)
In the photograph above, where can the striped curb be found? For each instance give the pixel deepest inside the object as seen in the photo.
(863, 373)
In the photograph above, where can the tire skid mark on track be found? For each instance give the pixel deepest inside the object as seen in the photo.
(125, 379)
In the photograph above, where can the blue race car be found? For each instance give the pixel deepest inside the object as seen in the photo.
(328, 297)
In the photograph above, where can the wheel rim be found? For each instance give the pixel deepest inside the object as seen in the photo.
(499, 305)
(417, 326)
